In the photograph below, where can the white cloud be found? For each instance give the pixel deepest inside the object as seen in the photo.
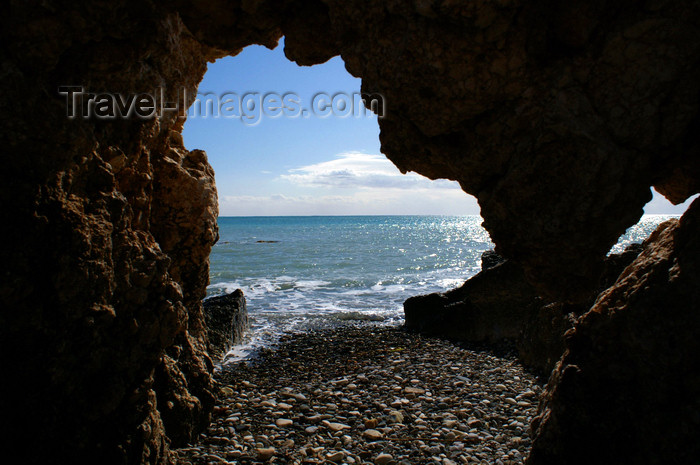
(363, 184)
(363, 171)
(353, 183)
(366, 202)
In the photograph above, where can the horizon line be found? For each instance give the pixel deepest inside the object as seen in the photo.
(393, 214)
(361, 214)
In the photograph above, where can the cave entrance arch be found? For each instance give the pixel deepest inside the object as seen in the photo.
(321, 159)
(500, 95)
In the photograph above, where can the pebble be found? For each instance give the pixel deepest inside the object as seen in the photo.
(372, 434)
(375, 395)
(414, 390)
(336, 456)
(265, 453)
(383, 459)
(335, 427)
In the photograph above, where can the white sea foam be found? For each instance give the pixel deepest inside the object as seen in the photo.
(359, 316)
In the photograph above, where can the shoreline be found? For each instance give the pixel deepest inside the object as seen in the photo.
(363, 393)
(252, 346)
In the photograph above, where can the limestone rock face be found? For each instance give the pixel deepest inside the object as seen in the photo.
(226, 317)
(490, 258)
(108, 225)
(631, 370)
(558, 116)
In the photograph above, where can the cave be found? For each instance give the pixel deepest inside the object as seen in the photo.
(558, 116)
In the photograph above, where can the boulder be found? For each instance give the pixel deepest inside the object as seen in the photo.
(490, 258)
(499, 304)
(489, 307)
(226, 317)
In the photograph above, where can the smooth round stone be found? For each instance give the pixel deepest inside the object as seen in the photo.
(372, 434)
(336, 457)
(396, 416)
(372, 423)
(335, 427)
(383, 459)
(283, 422)
(265, 453)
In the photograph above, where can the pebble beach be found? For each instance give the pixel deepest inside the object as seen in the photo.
(369, 394)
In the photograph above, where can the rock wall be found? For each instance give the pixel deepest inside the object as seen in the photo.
(541, 340)
(627, 389)
(107, 227)
(557, 115)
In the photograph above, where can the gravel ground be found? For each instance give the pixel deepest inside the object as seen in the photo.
(367, 394)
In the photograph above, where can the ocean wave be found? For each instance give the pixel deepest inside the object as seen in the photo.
(389, 289)
(357, 292)
(258, 287)
(358, 316)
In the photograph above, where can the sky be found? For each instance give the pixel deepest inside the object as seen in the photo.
(290, 140)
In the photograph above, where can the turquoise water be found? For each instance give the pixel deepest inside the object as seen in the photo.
(321, 270)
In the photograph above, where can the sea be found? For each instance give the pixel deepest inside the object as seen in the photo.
(301, 273)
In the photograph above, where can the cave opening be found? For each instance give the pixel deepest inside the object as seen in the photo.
(111, 224)
(293, 148)
(294, 195)
(316, 226)
(660, 205)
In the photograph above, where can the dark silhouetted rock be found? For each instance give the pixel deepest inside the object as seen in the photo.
(541, 342)
(226, 317)
(498, 304)
(557, 116)
(490, 258)
(491, 306)
(627, 389)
